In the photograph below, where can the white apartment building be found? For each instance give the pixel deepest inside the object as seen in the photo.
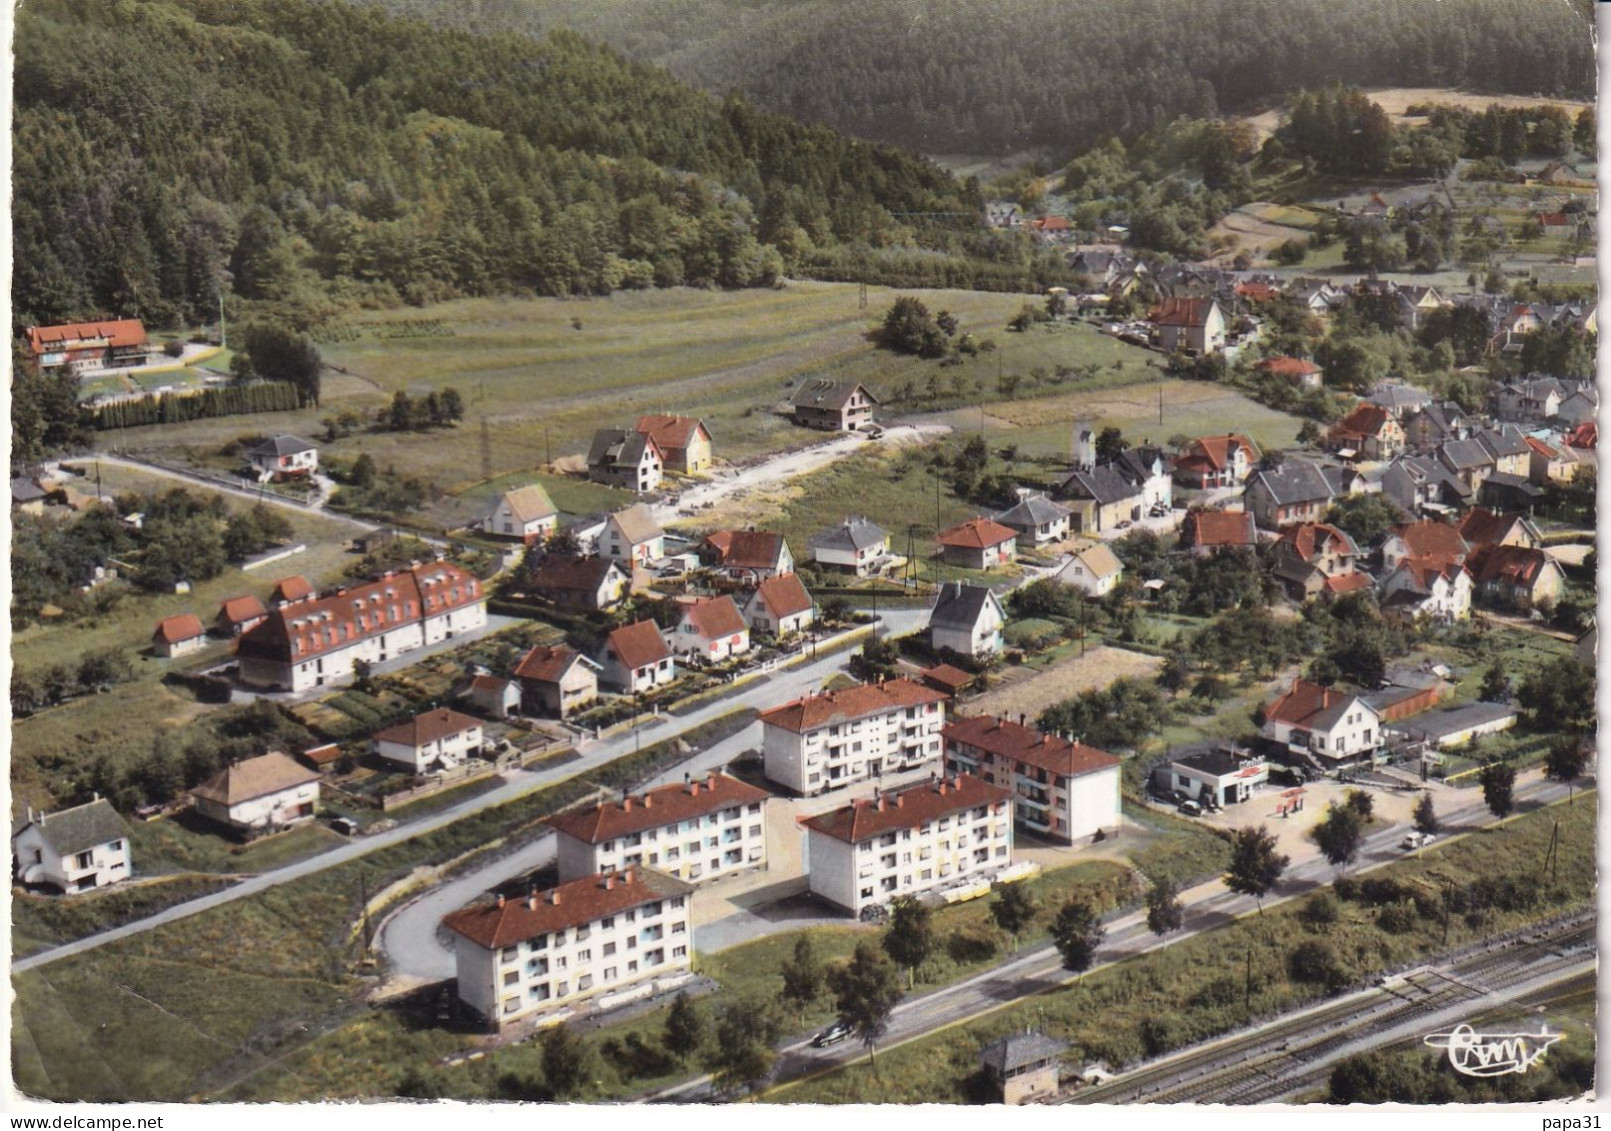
(314, 642)
(836, 738)
(696, 831)
(609, 938)
(1061, 789)
(909, 841)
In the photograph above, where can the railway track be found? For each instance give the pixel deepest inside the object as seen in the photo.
(1296, 1052)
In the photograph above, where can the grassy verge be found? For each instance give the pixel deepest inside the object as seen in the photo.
(1194, 989)
(1179, 850)
(42, 921)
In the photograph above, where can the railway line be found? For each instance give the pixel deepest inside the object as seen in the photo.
(1296, 1053)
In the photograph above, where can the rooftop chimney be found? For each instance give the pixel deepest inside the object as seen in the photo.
(881, 805)
(500, 901)
(648, 801)
(553, 897)
(531, 901)
(609, 882)
(626, 804)
(710, 780)
(627, 878)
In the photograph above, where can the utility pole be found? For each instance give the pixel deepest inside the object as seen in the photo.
(936, 501)
(363, 893)
(1247, 985)
(548, 451)
(1160, 404)
(1551, 856)
(486, 450)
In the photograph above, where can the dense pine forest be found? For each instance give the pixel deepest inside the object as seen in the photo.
(998, 76)
(324, 155)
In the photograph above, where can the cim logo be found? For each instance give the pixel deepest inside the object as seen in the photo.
(1492, 1054)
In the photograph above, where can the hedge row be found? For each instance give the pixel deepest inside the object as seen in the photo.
(174, 408)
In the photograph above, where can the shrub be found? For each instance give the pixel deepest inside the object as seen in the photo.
(1222, 991)
(1397, 918)
(1162, 1034)
(1316, 963)
(1347, 888)
(1379, 892)
(1320, 910)
(970, 945)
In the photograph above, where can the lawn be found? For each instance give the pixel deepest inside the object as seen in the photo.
(1193, 990)
(42, 921)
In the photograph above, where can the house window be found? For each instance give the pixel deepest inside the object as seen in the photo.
(84, 859)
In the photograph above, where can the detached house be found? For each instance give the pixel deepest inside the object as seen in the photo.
(259, 795)
(1298, 371)
(747, 556)
(1297, 491)
(557, 681)
(1429, 539)
(1095, 570)
(632, 537)
(780, 606)
(684, 441)
(1062, 789)
(1368, 432)
(1317, 560)
(77, 849)
(1435, 588)
(282, 457)
(627, 459)
(1550, 463)
(1481, 528)
(909, 841)
(89, 345)
(711, 629)
(238, 614)
(1037, 521)
(1216, 461)
(1196, 325)
(699, 830)
(526, 514)
(610, 938)
(437, 740)
(1333, 728)
(1208, 532)
(832, 739)
(635, 659)
(858, 545)
(966, 619)
(1518, 577)
(179, 636)
(587, 584)
(979, 543)
(1100, 498)
(834, 406)
(1400, 400)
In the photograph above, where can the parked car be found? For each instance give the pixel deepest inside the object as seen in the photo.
(346, 826)
(1417, 840)
(1191, 808)
(832, 1035)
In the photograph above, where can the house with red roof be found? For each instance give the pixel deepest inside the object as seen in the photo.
(179, 636)
(1585, 436)
(1208, 532)
(1315, 559)
(711, 629)
(1430, 539)
(684, 441)
(1196, 325)
(634, 658)
(979, 543)
(1062, 788)
(1332, 727)
(316, 640)
(1257, 293)
(1517, 577)
(831, 739)
(112, 343)
(747, 556)
(1550, 463)
(910, 841)
(1481, 527)
(780, 606)
(238, 614)
(699, 830)
(436, 740)
(289, 590)
(556, 680)
(1216, 461)
(1299, 371)
(1368, 432)
(1436, 588)
(599, 940)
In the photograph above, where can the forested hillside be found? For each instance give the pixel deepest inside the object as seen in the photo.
(996, 76)
(325, 155)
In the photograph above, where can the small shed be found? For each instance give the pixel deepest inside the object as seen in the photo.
(1024, 1066)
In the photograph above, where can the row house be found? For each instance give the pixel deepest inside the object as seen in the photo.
(607, 937)
(1333, 728)
(1216, 461)
(857, 545)
(1549, 463)
(636, 659)
(966, 619)
(315, 641)
(710, 629)
(909, 842)
(1507, 448)
(1062, 789)
(73, 850)
(684, 441)
(979, 543)
(747, 556)
(1428, 428)
(525, 514)
(556, 681)
(624, 458)
(259, 795)
(780, 606)
(699, 830)
(436, 740)
(832, 739)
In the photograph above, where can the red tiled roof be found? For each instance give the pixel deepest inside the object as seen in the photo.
(658, 807)
(1553, 219)
(346, 616)
(1509, 565)
(714, 617)
(977, 534)
(1310, 538)
(670, 432)
(506, 922)
(849, 703)
(907, 808)
(1219, 528)
(1008, 739)
(1352, 582)
(422, 730)
(748, 549)
(322, 755)
(488, 683)
(1481, 527)
(238, 610)
(1215, 451)
(1366, 421)
(1585, 435)
(1257, 292)
(117, 332)
(1432, 540)
(570, 574)
(1292, 367)
(546, 663)
(173, 630)
(947, 676)
(1181, 312)
(638, 645)
(291, 589)
(1427, 569)
(784, 595)
(1542, 448)
(1308, 704)
(1052, 224)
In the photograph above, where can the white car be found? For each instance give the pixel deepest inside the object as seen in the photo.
(1416, 840)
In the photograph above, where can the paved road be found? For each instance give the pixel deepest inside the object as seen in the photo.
(1207, 907)
(250, 494)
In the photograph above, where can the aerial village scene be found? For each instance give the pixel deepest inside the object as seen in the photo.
(954, 552)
